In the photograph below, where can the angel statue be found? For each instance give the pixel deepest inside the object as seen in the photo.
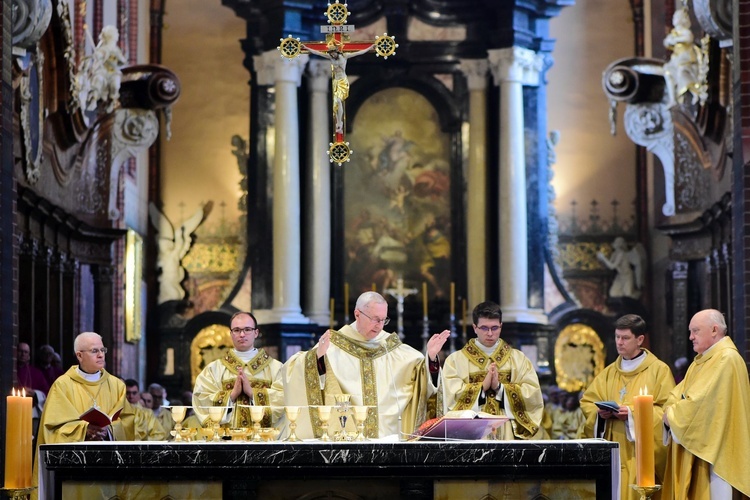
(173, 246)
(101, 76)
(628, 265)
(686, 70)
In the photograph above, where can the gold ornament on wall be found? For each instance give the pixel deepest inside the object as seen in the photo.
(579, 357)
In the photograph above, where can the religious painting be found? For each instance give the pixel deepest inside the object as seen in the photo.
(397, 216)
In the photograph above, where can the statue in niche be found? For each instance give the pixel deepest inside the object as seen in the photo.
(628, 265)
(687, 67)
(173, 246)
(101, 76)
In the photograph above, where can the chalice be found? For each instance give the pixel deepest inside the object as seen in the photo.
(342, 402)
(178, 414)
(215, 413)
(324, 412)
(360, 415)
(292, 412)
(256, 415)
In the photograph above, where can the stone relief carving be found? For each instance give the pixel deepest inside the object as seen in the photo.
(30, 20)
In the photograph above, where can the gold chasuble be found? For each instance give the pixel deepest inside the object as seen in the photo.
(614, 384)
(145, 426)
(461, 384)
(709, 415)
(215, 383)
(384, 373)
(69, 397)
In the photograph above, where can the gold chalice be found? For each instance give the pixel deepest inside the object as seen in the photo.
(268, 433)
(360, 415)
(324, 413)
(178, 414)
(292, 412)
(188, 434)
(256, 415)
(216, 413)
(342, 403)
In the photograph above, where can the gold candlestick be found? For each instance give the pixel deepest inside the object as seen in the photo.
(646, 492)
(17, 493)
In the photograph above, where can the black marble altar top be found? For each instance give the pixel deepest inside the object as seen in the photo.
(315, 454)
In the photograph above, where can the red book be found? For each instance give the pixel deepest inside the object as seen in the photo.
(97, 417)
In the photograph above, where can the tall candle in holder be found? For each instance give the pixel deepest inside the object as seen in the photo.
(453, 298)
(424, 299)
(644, 438)
(17, 457)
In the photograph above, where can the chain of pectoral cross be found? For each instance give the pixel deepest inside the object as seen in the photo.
(338, 48)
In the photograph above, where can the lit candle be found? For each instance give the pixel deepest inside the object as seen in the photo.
(424, 299)
(346, 296)
(16, 438)
(331, 322)
(643, 413)
(26, 439)
(453, 298)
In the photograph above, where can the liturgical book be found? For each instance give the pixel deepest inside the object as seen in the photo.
(97, 417)
(463, 425)
(607, 405)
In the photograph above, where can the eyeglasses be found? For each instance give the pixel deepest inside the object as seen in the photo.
(247, 330)
(385, 321)
(486, 329)
(96, 351)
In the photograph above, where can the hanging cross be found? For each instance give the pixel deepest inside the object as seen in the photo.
(338, 48)
(400, 293)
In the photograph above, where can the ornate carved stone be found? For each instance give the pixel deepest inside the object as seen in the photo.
(30, 20)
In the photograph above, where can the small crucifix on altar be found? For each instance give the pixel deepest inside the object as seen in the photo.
(399, 293)
(338, 48)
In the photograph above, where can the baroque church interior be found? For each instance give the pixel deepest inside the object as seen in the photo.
(166, 164)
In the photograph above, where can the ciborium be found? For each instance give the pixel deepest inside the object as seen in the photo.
(342, 406)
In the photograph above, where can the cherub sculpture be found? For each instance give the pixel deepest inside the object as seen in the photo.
(100, 76)
(173, 246)
(686, 70)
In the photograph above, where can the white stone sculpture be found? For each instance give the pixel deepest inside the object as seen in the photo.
(100, 75)
(628, 265)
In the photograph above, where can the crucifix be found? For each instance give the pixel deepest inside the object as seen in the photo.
(399, 293)
(338, 48)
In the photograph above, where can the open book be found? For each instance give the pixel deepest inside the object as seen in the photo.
(607, 405)
(97, 417)
(460, 424)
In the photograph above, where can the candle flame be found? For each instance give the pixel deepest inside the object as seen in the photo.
(643, 391)
(23, 392)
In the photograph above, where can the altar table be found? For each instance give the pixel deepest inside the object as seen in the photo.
(309, 470)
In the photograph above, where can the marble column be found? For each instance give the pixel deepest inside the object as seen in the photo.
(318, 210)
(512, 68)
(287, 77)
(475, 71)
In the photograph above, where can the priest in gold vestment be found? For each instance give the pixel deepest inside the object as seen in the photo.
(371, 365)
(706, 418)
(84, 386)
(244, 376)
(634, 370)
(491, 376)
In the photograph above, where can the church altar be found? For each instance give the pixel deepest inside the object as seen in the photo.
(275, 470)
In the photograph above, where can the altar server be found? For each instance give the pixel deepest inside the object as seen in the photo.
(244, 376)
(636, 369)
(706, 418)
(491, 376)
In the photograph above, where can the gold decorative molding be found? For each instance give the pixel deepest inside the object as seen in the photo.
(210, 344)
(579, 357)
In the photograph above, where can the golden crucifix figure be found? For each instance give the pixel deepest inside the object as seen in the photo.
(338, 48)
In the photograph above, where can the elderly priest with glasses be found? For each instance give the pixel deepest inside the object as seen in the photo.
(243, 377)
(370, 365)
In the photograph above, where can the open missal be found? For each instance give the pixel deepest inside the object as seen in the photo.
(607, 405)
(460, 424)
(97, 417)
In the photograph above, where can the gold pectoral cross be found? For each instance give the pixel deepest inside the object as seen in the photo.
(337, 48)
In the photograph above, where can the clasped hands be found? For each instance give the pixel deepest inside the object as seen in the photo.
(491, 380)
(241, 385)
